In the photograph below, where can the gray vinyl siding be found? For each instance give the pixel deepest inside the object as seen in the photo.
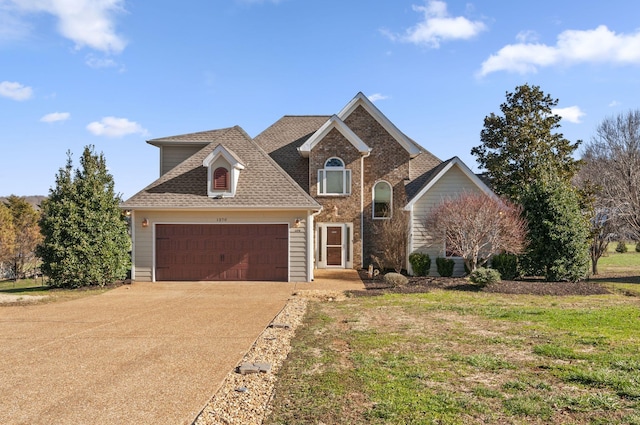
(450, 185)
(170, 156)
(144, 239)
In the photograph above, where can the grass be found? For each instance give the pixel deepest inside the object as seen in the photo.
(39, 287)
(453, 357)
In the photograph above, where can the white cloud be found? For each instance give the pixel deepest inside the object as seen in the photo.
(527, 36)
(86, 22)
(571, 113)
(115, 127)
(599, 45)
(15, 91)
(56, 116)
(613, 103)
(94, 62)
(438, 26)
(377, 96)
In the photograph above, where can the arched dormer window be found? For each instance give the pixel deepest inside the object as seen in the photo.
(382, 197)
(334, 178)
(223, 172)
(221, 179)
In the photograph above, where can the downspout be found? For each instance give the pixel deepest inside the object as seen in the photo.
(362, 206)
(311, 240)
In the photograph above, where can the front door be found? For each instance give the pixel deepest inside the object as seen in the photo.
(334, 245)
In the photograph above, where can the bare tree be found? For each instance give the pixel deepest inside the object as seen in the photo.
(392, 235)
(612, 165)
(476, 226)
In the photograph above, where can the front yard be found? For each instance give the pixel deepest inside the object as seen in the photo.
(451, 356)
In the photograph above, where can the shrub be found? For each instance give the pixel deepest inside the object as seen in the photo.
(420, 263)
(395, 279)
(507, 265)
(621, 247)
(638, 246)
(483, 277)
(445, 266)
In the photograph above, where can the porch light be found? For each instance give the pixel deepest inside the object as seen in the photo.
(145, 222)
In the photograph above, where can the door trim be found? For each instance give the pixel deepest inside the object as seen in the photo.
(321, 245)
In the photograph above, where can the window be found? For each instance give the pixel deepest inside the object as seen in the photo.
(334, 179)
(221, 179)
(382, 200)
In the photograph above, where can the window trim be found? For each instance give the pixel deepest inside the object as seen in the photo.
(322, 178)
(373, 201)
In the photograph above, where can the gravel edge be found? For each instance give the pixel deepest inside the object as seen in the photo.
(244, 399)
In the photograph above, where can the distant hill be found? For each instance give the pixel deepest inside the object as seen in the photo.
(34, 200)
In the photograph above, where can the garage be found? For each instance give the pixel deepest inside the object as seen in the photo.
(221, 252)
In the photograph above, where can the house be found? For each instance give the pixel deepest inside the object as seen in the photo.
(308, 192)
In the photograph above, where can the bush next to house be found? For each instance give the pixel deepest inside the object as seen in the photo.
(445, 266)
(621, 247)
(507, 265)
(482, 276)
(395, 279)
(420, 263)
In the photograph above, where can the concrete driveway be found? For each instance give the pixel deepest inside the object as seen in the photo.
(148, 353)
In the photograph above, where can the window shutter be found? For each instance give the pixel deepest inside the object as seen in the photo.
(221, 179)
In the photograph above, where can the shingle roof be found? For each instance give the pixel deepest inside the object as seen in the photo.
(202, 137)
(282, 139)
(262, 184)
(429, 171)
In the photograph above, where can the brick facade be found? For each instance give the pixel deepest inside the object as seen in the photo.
(387, 161)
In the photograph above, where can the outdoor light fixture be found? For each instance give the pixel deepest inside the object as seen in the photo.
(145, 222)
(296, 223)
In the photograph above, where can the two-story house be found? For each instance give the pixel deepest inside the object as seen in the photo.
(308, 192)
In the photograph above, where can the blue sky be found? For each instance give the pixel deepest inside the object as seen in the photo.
(115, 73)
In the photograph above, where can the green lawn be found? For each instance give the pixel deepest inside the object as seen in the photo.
(457, 357)
(39, 287)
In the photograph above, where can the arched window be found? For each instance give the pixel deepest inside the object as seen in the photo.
(221, 179)
(382, 195)
(334, 178)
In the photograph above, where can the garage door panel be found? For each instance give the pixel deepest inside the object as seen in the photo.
(222, 252)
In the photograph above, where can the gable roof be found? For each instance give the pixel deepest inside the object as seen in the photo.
(338, 124)
(282, 139)
(261, 185)
(432, 177)
(361, 100)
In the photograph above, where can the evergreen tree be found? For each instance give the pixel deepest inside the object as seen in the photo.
(85, 234)
(522, 145)
(558, 245)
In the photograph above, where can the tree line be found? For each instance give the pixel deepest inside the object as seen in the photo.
(78, 237)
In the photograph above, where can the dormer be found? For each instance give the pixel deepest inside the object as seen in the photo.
(223, 171)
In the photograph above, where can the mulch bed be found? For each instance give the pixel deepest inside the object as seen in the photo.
(377, 286)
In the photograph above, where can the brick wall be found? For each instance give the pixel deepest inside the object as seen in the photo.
(388, 161)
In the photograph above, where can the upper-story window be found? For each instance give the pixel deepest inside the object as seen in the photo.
(382, 196)
(334, 178)
(221, 179)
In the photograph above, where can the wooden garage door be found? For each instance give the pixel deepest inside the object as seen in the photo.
(222, 252)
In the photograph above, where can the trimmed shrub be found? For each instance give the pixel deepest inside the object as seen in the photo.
(483, 277)
(395, 279)
(445, 266)
(621, 247)
(507, 265)
(420, 263)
